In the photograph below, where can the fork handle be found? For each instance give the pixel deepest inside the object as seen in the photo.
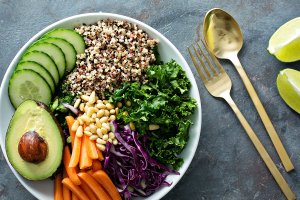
(287, 163)
(261, 150)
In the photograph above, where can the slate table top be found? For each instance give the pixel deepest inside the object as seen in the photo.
(226, 165)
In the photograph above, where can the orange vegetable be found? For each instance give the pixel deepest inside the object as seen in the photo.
(103, 179)
(96, 165)
(100, 155)
(70, 121)
(66, 192)
(88, 191)
(74, 197)
(95, 187)
(92, 149)
(76, 152)
(75, 189)
(85, 161)
(71, 171)
(90, 172)
(58, 191)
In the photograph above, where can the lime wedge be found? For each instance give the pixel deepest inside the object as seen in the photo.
(288, 84)
(285, 42)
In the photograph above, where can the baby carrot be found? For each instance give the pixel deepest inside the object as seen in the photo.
(71, 171)
(96, 165)
(94, 186)
(75, 189)
(74, 197)
(100, 155)
(76, 152)
(92, 149)
(103, 179)
(66, 192)
(70, 121)
(85, 161)
(88, 191)
(58, 193)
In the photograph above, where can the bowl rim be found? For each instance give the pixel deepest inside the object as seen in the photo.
(15, 60)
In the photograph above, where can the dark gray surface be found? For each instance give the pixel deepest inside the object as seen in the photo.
(226, 165)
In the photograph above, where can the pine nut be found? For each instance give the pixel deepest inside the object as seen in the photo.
(88, 133)
(115, 141)
(112, 117)
(106, 125)
(94, 115)
(99, 101)
(79, 132)
(100, 146)
(112, 111)
(99, 132)
(85, 118)
(106, 113)
(105, 137)
(119, 104)
(81, 107)
(104, 119)
(109, 140)
(153, 127)
(92, 98)
(87, 128)
(117, 111)
(100, 113)
(85, 98)
(104, 131)
(93, 137)
(128, 103)
(101, 106)
(100, 141)
(93, 128)
(98, 123)
(90, 111)
(109, 106)
(77, 102)
(105, 101)
(80, 121)
(75, 125)
(111, 135)
(132, 126)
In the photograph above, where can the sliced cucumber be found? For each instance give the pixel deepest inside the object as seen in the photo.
(38, 69)
(67, 48)
(44, 60)
(54, 52)
(71, 36)
(27, 84)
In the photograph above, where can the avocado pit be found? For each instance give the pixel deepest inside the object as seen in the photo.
(32, 147)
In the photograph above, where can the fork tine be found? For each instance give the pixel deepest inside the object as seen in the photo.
(207, 60)
(216, 61)
(202, 62)
(198, 68)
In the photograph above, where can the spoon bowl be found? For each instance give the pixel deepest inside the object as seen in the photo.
(222, 33)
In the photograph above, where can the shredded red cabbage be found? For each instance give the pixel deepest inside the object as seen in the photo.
(130, 166)
(71, 108)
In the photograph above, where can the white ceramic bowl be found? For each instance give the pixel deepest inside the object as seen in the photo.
(44, 189)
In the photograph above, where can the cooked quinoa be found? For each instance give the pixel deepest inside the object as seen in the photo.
(116, 51)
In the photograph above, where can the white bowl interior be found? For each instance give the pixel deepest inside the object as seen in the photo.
(44, 189)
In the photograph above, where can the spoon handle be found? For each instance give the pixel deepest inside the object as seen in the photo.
(287, 163)
(261, 150)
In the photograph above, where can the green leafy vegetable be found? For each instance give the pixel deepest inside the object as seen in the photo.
(163, 101)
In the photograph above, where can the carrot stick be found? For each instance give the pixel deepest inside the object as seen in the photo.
(96, 165)
(103, 179)
(90, 172)
(95, 187)
(88, 191)
(70, 121)
(71, 171)
(75, 189)
(76, 152)
(92, 149)
(74, 197)
(58, 193)
(85, 161)
(66, 192)
(100, 155)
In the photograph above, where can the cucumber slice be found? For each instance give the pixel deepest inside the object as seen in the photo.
(38, 69)
(67, 48)
(44, 60)
(27, 84)
(71, 36)
(54, 52)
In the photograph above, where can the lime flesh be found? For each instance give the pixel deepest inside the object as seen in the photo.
(285, 42)
(288, 84)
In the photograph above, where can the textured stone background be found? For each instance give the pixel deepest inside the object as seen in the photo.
(225, 166)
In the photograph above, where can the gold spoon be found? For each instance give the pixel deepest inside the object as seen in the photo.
(224, 38)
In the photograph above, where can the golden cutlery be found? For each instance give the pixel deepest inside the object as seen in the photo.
(224, 39)
(218, 84)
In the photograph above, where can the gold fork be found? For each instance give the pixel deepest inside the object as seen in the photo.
(218, 84)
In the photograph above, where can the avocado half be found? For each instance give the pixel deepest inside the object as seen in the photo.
(34, 141)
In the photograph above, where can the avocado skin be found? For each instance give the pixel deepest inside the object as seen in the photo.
(12, 152)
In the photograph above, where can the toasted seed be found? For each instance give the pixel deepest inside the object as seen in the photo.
(77, 102)
(101, 106)
(106, 113)
(112, 117)
(100, 141)
(103, 119)
(99, 101)
(92, 98)
(87, 128)
(88, 133)
(81, 107)
(93, 128)
(104, 130)
(109, 106)
(132, 126)
(128, 103)
(79, 132)
(112, 111)
(100, 146)
(105, 101)
(117, 111)
(115, 141)
(98, 123)
(100, 113)
(153, 127)
(75, 125)
(109, 140)
(85, 98)
(111, 135)
(80, 121)
(125, 113)
(94, 115)
(105, 137)
(93, 137)
(85, 118)
(106, 125)
(99, 132)
(90, 111)
(119, 104)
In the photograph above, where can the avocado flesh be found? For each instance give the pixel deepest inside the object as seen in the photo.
(31, 115)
